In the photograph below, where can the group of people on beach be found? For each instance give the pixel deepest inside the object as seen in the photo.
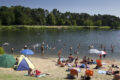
(73, 63)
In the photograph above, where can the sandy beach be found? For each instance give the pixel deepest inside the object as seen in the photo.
(48, 65)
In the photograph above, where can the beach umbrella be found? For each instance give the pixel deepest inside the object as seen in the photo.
(102, 52)
(7, 61)
(2, 51)
(94, 51)
(27, 52)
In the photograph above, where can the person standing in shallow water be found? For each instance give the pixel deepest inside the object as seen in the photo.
(112, 48)
(60, 52)
(101, 46)
(12, 50)
(42, 49)
(70, 49)
(78, 46)
(104, 48)
(91, 46)
(25, 47)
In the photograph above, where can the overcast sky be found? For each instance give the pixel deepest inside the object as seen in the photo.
(80, 6)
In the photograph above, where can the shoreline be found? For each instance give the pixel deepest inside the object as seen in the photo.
(19, 27)
(54, 56)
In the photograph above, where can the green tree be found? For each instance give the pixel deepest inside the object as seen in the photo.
(0, 22)
(60, 22)
(51, 19)
(68, 22)
(73, 22)
(88, 23)
(115, 24)
(98, 23)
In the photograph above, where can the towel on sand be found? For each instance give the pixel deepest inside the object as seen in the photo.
(101, 72)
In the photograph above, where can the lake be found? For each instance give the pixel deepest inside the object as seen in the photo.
(58, 38)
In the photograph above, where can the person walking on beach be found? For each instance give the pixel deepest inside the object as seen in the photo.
(42, 49)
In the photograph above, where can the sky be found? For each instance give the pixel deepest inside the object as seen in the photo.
(92, 7)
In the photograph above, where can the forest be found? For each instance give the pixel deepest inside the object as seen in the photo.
(19, 15)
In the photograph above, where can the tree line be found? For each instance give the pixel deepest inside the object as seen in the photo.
(19, 15)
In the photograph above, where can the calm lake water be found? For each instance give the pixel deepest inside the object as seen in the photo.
(62, 39)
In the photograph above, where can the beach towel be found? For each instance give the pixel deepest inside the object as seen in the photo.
(94, 62)
(82, 66)
(62, 59)
(69, 65)
(78, 69)
(103, 63)
(101, 72)
(41, 75)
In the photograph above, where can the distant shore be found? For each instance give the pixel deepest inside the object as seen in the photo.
(19, 27)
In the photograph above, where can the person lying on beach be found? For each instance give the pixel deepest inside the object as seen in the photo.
(85, 77)
(67, 63)
(88, 61)
(84, 66)
(114, 66)
(35, 73)
(92, 62)
(97, 67)
(30, 72)
(84, 60)
(110, 71)
(116, 76)
(60, 63)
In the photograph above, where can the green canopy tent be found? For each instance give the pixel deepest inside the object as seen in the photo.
(7, 61)
(2, 51)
